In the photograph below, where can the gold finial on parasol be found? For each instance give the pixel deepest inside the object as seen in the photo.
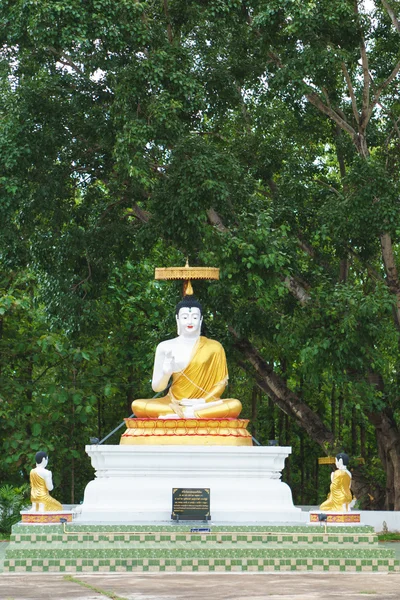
(187, 273)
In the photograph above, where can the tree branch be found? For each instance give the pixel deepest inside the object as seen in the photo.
(215, 220)
(290, 282)
(169, 28)
(365, 114)
(329, 187)
(373, 273)
(89, 276)
(366, 76)
(351, 92)
(391, 14)
(297, 290)
(48, 368)
(395, 123)
(110, 207)
(314, 99)
(384, 85)
(66, 60)
(142, 215)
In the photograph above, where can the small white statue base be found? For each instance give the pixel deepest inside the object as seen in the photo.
(135, 483)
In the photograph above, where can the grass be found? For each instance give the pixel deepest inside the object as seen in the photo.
(93, 588)
(389, 537)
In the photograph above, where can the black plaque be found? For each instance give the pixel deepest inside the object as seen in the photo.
(191, 504)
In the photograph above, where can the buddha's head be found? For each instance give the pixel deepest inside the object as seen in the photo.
(189, 317)
(41, 459)
(342, 460)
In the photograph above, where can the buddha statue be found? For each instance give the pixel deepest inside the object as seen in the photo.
(41, 484)
(340, 495)
(197, 369)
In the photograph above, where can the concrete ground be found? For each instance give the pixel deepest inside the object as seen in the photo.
(200, 586)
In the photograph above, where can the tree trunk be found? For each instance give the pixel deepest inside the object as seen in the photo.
(333, 410)
(130, 396)
(271, 407)
(363, 444)
(341, 416)
(354, 436)
(388, 438)
(343, 270)
(392, 278)
(301, 468)
(72, 442)
(366, 489)
(1, 336)
(276, 388)
(72, 480)
(254, 402)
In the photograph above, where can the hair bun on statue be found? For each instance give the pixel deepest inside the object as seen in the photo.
(39, 456)
(188, 302)
(345, 458)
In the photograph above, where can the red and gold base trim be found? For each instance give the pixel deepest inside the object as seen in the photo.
(349, 517)
(189, 432)
(46, 517)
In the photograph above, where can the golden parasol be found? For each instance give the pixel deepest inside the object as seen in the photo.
(186, 274)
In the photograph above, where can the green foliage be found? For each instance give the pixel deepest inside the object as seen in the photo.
(389, 537)
(126, 129)
(12, 501)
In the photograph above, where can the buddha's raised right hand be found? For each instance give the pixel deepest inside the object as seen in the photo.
(169, 363)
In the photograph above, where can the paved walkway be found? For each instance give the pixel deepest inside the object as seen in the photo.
(182, 586)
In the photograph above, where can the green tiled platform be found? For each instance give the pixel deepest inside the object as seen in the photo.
(83, 548)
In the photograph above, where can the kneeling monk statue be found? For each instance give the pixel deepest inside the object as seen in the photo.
(198, 369)
(41, 484)
(340, 495)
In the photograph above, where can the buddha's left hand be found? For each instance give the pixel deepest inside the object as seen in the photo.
(192, 401)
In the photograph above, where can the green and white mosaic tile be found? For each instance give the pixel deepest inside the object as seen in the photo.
(84, 548)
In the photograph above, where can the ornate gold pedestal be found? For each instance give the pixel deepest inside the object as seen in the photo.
(187, 432)
(349, 517)
(46, 517)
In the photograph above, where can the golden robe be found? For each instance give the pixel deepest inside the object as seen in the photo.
(206, 374)
(40, 493)
(339, 492)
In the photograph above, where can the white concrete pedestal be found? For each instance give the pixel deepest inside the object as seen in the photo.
(134, 483)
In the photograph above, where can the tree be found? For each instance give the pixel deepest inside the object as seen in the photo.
(259, 137)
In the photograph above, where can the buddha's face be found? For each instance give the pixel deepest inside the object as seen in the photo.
(189, 321)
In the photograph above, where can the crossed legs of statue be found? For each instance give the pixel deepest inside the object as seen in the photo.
(160, 407)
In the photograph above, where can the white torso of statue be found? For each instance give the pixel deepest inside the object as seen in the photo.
(174, 355)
